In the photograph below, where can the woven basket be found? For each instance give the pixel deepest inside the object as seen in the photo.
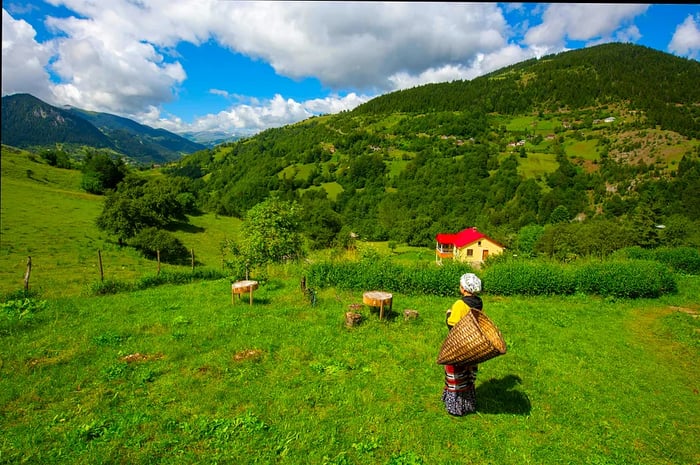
(474, 339)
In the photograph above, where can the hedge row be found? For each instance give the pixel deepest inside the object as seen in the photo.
(628, 278)
(620, 278)
(681, 259)
(386, 275)
(110, 286)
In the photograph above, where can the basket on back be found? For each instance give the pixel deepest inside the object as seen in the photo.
(474, 339)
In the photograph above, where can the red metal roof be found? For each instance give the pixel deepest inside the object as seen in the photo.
(460, 239)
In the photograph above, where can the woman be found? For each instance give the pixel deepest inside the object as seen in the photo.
(459, 394)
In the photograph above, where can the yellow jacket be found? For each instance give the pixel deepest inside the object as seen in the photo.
(458, 311)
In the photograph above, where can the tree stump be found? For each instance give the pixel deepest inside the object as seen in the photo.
(378, 299)
(241, 287)
(352, 319)
(409, 314)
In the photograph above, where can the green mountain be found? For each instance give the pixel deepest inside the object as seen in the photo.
(28, 122)
(607, 133)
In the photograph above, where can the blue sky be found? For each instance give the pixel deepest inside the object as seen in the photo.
(236, 68)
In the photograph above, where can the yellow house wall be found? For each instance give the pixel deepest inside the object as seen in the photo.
(478, 248)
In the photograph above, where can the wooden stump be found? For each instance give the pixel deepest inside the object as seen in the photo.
(409, 314)
(241, 287)
(378, 299)
(352, 319)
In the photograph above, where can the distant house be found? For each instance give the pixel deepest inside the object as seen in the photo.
(468, 245)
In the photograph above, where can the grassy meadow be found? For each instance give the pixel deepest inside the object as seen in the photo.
(181, 375)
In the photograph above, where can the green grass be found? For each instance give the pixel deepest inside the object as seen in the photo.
(585, 380)
(45, 216)
(179, 374)
(585, 149)
(537, 164)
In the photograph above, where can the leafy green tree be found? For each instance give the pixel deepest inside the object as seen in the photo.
(679, 230)
(138, 204)
(57, 158)
(527, 238)
(557, 241)
(560, 215)
(102, 172)
(643, 224)
(270, 234)
(319, 221)
(151, 241)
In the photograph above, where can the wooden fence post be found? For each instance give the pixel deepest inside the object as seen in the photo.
(192, 253)
(99, 260)
(27, 273)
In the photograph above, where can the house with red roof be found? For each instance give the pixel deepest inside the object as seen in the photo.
(468, 245)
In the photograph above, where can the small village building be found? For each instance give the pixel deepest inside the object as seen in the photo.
(468, 245)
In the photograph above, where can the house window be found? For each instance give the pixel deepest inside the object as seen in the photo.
(470, 253)
(479, 244)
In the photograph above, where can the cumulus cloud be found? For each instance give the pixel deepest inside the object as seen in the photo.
(686, 38)
(350, 45)
(589, 22)
(253, 117)
(121, 57)
(24, 59)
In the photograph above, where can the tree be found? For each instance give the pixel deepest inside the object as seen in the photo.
(102, 172)
(270, 234)
(138, 204)
(152, 241)
(560, 215)
(527, 238)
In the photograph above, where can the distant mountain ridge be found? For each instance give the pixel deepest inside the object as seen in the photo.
(30, 122)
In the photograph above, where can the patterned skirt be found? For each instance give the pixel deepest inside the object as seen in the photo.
(459, 394)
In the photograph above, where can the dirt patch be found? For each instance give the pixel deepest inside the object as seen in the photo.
(138, 357)
(690, 311)
(247, 355)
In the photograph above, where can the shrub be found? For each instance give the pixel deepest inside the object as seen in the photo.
(630, 279)
(109, 286)
(374, 273)
(18, 312)
(528, 278)
(621, 278)
(166, 277)
(151, 240)
(178, 277)
(683, 259)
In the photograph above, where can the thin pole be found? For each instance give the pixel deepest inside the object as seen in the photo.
(27, 273)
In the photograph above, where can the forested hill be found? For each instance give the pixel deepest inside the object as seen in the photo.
(606, 135)
(28, 122)
(663, 86)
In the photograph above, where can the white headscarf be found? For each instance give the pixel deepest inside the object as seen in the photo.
(470, 283)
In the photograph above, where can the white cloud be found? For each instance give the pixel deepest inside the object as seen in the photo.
(359, 45)
(593, 23)
(106, 61)
(247, 119)
(24, 58)
(686, 38)
(120, 56)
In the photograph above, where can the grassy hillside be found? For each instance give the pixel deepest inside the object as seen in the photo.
(46, 216)
(600, 132)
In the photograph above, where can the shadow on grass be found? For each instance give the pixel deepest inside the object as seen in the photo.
(185, 227)
(499, 396)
